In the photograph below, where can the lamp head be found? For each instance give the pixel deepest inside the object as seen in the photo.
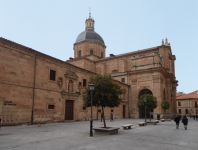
(144, 100)
(91, 87)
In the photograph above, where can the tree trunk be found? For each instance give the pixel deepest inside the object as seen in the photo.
(103, 118)
(150, 115)
(165, 111)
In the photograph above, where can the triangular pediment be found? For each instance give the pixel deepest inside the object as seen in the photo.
(71, 75)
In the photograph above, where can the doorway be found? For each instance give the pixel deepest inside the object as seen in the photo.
(69, 109)
(124, 111)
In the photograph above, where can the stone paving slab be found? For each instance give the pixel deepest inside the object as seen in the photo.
(75, 136)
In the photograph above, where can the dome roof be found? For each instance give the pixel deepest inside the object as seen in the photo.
(89, 35)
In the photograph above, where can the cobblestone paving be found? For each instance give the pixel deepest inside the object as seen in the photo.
(75, 136)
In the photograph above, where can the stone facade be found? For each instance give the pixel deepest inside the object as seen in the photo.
(50, 89)
(187, 104)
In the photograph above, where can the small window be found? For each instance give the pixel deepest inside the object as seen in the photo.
(91, 51)
(179, 111)
(90, 24)
(84, 82)
(195, 104)
(84, 108)
(186, 111)
(101, 54)
(196, 111)
(52, 75)
(123, 80)
(79, 53)
(50, 106)
(99, 110)
(179, 103)
(115, 71)
(111, 110)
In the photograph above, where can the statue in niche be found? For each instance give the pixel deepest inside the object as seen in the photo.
(70, 86)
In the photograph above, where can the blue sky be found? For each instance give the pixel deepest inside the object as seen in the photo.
(52, 27)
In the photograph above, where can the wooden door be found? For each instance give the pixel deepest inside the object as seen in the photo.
(69, 109)
(123, 111)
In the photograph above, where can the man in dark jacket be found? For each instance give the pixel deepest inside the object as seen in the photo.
(185, 122)
(196, 117)
(177, 119)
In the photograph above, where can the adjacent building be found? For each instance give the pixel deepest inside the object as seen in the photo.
(187, 104)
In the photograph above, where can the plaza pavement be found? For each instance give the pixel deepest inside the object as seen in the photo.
(75, 136)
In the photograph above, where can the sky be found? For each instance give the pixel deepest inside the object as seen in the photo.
(51, 27)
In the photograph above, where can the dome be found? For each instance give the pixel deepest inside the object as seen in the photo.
(89, 35)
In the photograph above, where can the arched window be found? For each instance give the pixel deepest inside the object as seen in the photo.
(115, 71)
(79, 53)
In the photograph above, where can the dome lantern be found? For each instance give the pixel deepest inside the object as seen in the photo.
(89, 23)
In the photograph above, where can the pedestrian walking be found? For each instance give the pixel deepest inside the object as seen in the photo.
(180, 117)
(101, 116)
(0, 123)
(185, 122)
(111, 117)
(177, 121)
(158, 116)
(196, 117)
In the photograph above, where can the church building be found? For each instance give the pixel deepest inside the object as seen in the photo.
(35, 87)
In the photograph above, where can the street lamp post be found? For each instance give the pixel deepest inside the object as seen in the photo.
(145, 107)
(91, 88)
(163, 107)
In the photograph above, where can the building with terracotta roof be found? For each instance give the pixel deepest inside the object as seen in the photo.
(187, 104)
(38, 87)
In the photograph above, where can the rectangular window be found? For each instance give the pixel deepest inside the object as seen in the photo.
(99, 110)
(84, 82)
(79, 53)
(52, 75)
(91, 51)
(115, 71)
(179, 103)
(123, 80)
(101, 54)
(195, 104)
(186, 111)
(84, 108)
(111, 110)
(50, 106)
(179, 111)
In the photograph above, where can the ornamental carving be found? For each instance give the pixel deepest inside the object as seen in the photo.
(71, 75)
(60, 82)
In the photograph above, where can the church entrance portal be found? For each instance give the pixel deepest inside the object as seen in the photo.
(69, 108)
(142, 111)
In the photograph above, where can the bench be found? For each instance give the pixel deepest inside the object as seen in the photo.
(127, 126)
(142, 123)
(152, 122)
(162, 120)
(167, 120)
(110, 130)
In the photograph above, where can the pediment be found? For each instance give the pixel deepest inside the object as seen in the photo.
(71, 75)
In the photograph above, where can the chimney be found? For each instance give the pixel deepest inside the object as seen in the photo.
(70, 58)
(111, 55)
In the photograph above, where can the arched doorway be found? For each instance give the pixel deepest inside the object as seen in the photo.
(142, 111)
